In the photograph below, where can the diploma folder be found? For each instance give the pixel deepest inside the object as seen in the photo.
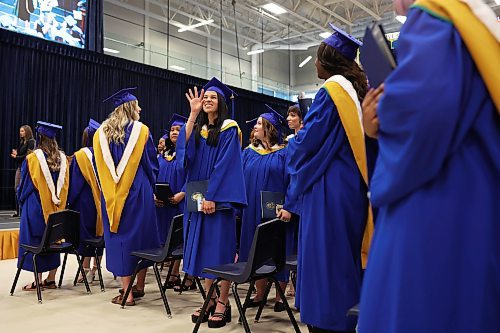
(195, 191)
(376, 56)
(164, 192)
(271, 203)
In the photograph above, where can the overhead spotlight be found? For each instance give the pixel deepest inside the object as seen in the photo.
(255, 51)
(305, 61)
(402, 19)
(325, 34)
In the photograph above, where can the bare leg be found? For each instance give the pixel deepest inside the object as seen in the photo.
(283, 287)
(125, 283)
(224, 298)
(141, 279)
(260, 285)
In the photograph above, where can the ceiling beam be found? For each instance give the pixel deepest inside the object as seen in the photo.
(366, 9)
(331, 12)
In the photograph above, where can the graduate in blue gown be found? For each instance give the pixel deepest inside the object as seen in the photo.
(169, 172)
(37, 202)
(127, 168)
(435, 259)
(334, 206)
(264, 168)
(209, 147)
(84, 197)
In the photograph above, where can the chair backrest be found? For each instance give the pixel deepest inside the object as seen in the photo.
(268, 247)
(63, 225)
(175, 237)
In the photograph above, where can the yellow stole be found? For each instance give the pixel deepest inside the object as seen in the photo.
(87, 169)
(263, 151)
(352, 126)
(38, 179)
(115, 194)
(482, 45)
(228, 123)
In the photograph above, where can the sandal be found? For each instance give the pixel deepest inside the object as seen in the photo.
(118, 300)
(171, 284)
(90, 275)
(49, 284)
(210, 311)
(185, 287)
(136, 293)
(31, 287)
(222, 318)
(252, 303)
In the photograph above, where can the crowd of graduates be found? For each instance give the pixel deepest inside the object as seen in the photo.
(416, 159)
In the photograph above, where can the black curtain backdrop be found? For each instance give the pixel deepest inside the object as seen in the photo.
(42, 80)
(94, 26)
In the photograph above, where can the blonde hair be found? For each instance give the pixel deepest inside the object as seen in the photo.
(114, 126)
(51, 149)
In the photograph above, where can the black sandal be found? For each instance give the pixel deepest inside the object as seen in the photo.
(185, 287)
(136, 293)
(210, 311)
(31, 287)
(49, 284)
(173, 283)
(224, 317)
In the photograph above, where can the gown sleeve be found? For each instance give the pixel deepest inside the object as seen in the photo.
(26, 186)
(149, 161)
(77, 182)
(185, 150)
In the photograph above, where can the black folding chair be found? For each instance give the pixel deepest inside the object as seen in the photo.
(61, 235)
(266, 258)
(96, 244)
(173, 250)
(291, 265)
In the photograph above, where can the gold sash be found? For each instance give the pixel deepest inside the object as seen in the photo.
(38, 179)
(88, 173)
(115, 194)
(228, 123)
(350, 121)
(481, 44)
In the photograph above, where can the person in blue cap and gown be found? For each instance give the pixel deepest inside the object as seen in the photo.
(85, 197)
(264, 168)
(175, 176)
(210, 149)
(435, 260)
(127, 168)
(43, 190)
(328, 168)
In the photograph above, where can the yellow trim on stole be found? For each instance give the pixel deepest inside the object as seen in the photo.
(481, 44)
(264, 151)
(38, 179)
(88, 174)
(115, 195)
(350, 121)
(229, 123)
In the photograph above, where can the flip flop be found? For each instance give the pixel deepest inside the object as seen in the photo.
(31, 287)
(118, 300)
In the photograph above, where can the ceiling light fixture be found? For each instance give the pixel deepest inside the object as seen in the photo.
(255, 51)
(401, 19)
(274, 8)
(194, 26)
(179, 68)
(110, 50)
(325, 34)
(306, 60)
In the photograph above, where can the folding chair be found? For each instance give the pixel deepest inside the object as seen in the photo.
(96, 244)
(291, 265)
(61, 235)
(173, 250)
(266, 258)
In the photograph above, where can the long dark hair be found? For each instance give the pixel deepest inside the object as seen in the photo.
(213, 131)
(28, 133)
(51, 149)
(270, 133)
(335, 63)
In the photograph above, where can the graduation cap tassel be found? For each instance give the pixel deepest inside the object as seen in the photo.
(232, 107)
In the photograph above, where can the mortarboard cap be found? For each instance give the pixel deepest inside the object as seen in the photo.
(344, 43)
(276, 119)
(121, 97)
(177, 120)
(215, 85)
(47, 129)
(93, 126)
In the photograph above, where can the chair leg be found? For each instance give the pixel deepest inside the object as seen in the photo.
(202, 290)
(17, 273)
(294, 280)
(264, 301)
(37, 280)
(205, 305)
(75, 280)
(99, 272)
(247, 298)
(170, 269)
(241, 310)
(162, 292)
(129, 287)
(287, 307)
(62, 270)
(84, 276)
(183, 282)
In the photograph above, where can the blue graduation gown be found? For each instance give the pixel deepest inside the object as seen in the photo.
(81, 200)
(435, 259)
(263, 173)
(210, 240)
(176, 177)
(33, 223)
(138, 229)
(333, 218)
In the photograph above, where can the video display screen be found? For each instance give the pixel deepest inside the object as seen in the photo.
(56, 20)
